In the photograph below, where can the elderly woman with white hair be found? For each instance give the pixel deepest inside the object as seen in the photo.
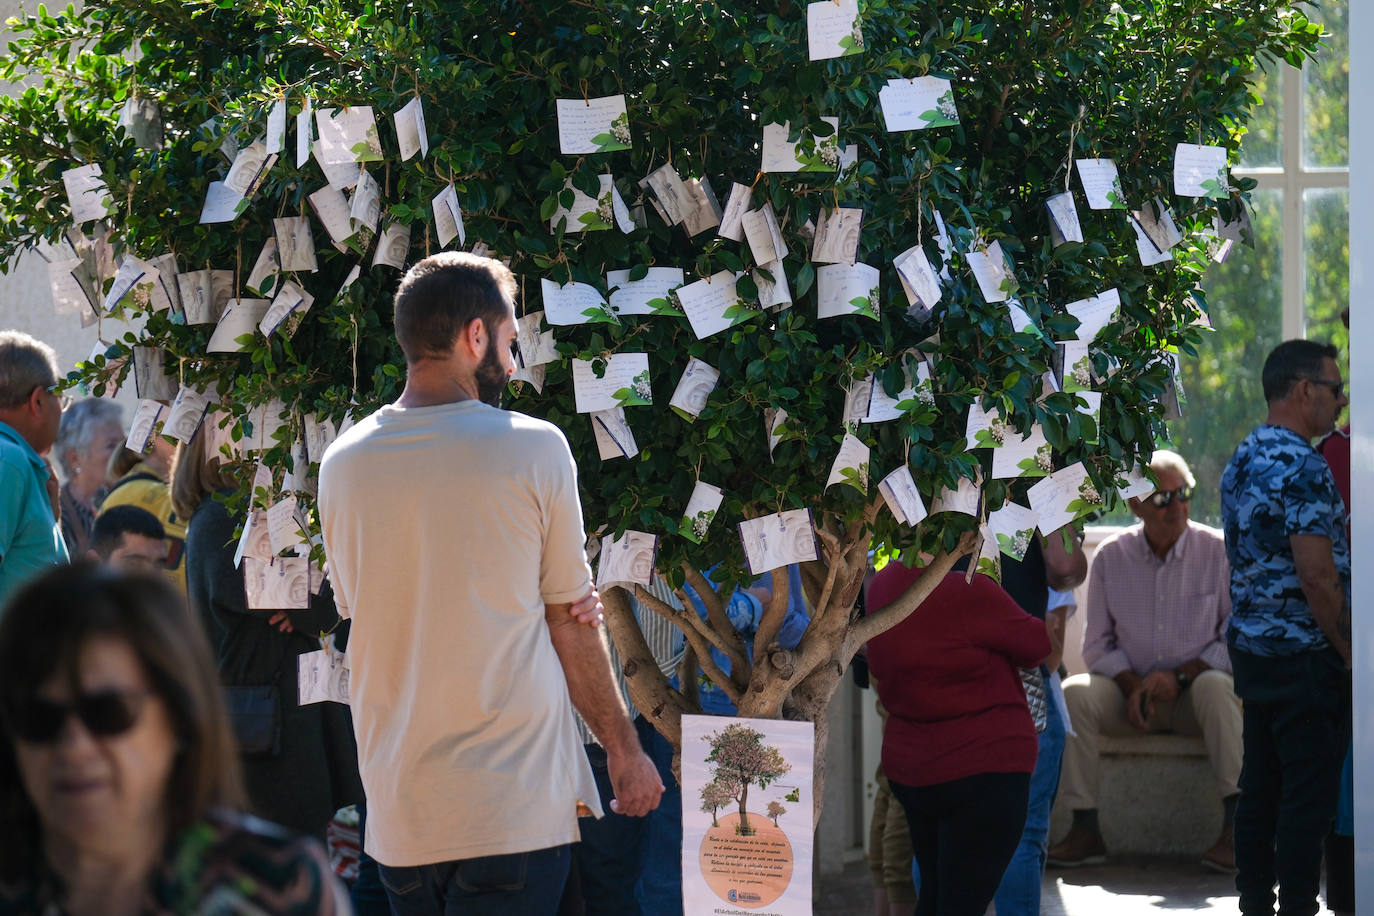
(91, 430)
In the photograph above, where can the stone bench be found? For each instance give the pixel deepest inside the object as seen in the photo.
(1156, 797)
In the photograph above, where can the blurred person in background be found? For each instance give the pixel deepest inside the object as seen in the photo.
(92, 429)
(131, 539)
(142, 480)
(300, 762)
(30, 414)
(119, 789)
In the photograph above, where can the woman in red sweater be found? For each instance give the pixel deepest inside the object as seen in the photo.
(960, 745)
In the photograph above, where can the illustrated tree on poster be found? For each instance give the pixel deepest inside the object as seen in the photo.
(741, 760)
(715, 796)
(138, 117)
(775, 811)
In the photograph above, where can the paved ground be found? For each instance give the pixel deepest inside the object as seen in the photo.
(1138, 887)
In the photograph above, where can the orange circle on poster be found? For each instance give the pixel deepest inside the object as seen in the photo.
(747, 871)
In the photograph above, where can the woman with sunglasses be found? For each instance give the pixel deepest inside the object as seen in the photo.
(119, 783)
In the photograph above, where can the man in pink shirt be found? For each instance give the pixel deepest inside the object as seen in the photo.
(1155, 647)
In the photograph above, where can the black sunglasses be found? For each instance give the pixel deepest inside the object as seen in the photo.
(1161, 498)
(1337, 388)
(104, 714)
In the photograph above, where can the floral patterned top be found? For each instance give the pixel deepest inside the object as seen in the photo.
(227, 864)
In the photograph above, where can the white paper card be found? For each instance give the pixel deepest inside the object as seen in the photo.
(624, 384)
(963, 499)
(1200, 171)
(632, 297)
(263, 277)
(588, 214)
(411, 135)
(141, 427)
(1012, 527)
(899, 492)
(347, 135)
(572, 303)
(276, 127)
(705, 302)
(614, 438)
(1136, 485)
(185, 415)
(279, 584)
(626, 560)
(291, 302)
(850, 465)
(701, 509)
(695, 386)
(918, 104)
(1101, 184)
(535, 347)
(304, 121)
(847, 289)
(736, 206)
(1030, 456)
(773, 293)
(448, 217)
(764, 235)
(592, 125)
(1062, 497)
(989, 266)
(1095, 313)
(321, 677)
(833, 29)
(331, 207)
(241, 317)
(295, 244)
(914, 267)
(87, 196)
(1064, 218)
(780, 155)
(393, 246)
(778, 540)
(837, 236)
(365, 209)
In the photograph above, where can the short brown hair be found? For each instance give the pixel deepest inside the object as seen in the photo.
(445, 293)
(43, 631)
(196, 473)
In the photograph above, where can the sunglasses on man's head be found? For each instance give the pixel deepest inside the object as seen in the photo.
(104, 713)
(1161, 498)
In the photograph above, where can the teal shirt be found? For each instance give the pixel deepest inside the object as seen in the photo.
(30, 538)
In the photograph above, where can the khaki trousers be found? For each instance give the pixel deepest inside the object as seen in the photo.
(1208, 707)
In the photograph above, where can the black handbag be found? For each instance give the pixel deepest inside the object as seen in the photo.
(1037, 697)
(255, 714)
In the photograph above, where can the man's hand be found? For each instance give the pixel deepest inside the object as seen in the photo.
(588, 610)
(1162, 686)
(635, 783)
(282, 621)
(1139, 707)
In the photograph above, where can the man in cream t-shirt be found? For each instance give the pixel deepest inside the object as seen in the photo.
(455, 544)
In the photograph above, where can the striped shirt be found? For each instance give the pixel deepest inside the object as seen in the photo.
(665, 642)
(1146, 614)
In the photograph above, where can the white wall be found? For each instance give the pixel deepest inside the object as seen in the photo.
(1362, 445)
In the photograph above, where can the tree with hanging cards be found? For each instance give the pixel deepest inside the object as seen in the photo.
(798, 280)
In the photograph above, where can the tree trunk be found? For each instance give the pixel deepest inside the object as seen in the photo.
(743, 815)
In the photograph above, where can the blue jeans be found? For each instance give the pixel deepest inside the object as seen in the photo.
(1019, 893)
(660, 879)
(606, 862)
(528, 883)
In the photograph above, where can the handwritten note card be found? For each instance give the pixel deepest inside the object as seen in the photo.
(916, 271)
(764, 235)
(87, 196)
(534, 347)
(989, 266)
(632, 297)
(411, 134)
(240, 319)
(1101, 184)
(1200, 171)
(448, 217)
(918, 104)
(614, 438)
(1064, 224)
(705, 302)
(592, 125)
(833, 29)
(625, 382)
(571, 303)
(899, 492)
(847, 289)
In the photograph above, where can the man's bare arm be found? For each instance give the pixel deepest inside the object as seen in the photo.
(1322, 586)
(591, 685)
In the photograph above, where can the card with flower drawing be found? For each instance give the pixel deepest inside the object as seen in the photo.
(918, 104)
(619, 380)
(1029, 456)
(826, 154)
(850, 465)
(574, 303)
(599, 125)
(701, 510)
(1101, 184)
(1200, 171)
(833, 29)
(847, 289)
(985, 427)
(1012, 527)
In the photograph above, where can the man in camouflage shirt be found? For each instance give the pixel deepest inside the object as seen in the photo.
(1289, 635)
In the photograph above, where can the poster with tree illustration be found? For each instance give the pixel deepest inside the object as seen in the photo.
(747, 821)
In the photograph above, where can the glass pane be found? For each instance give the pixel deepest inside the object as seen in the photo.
(1326, 248)
(1326, 91)
(1260, 148)
(1222, 386)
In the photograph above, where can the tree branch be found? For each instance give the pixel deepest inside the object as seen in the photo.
(774, 613)
(686, 618)
(650, 690)
(861, 631)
